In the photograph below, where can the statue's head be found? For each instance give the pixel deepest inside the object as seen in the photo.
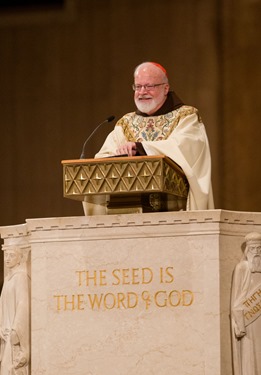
(13, 256)
(253, 243)
(253, 251)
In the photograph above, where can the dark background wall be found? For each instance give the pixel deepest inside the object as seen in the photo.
(64, 69)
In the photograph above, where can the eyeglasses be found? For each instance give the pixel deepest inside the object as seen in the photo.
(146, 87)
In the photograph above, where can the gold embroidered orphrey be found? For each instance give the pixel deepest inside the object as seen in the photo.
(153, 128)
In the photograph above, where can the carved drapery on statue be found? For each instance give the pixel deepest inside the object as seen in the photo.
(15, 304)
(246, 309)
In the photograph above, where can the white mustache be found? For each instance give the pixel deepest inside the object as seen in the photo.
(144, 97)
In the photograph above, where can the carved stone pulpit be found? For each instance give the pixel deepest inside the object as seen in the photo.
(127, 184)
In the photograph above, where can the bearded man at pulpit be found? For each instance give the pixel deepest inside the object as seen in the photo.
(163, 125)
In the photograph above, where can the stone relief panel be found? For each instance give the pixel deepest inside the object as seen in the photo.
(15, 308)
(246, 308)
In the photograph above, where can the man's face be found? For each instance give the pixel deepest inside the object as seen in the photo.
(254, 256)
(12, 258)
(150, 100)
(254, 248)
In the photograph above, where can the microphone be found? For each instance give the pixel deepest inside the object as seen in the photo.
(109, 119)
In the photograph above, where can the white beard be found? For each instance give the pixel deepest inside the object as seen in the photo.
(146, 107)
(152, 105)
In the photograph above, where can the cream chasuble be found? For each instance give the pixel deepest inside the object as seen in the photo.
(180, 135)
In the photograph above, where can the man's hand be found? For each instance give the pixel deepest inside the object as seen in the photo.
(128, 148)
(4, 334)
(14, 339)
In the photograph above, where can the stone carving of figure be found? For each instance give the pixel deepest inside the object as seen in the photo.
(14, 315)
(246, 309)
